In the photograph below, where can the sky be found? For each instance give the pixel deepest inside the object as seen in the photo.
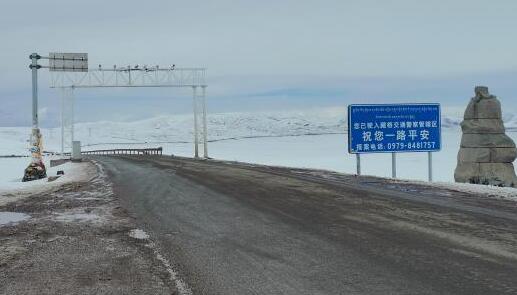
(263, 55)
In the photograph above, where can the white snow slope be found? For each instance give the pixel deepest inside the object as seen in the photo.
(273, 138)
(178, 128)
(12, 188)
(222, 126)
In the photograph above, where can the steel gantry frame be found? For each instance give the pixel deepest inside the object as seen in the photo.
(133, 76)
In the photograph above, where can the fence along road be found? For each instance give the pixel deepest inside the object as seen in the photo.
(147, 151)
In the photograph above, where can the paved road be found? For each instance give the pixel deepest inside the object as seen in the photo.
(244, 229)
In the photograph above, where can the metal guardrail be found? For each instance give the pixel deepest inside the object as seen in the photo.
(149, 151)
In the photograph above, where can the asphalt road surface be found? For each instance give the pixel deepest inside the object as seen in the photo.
(231, 228)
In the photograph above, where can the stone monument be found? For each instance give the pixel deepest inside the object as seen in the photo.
(486, 153)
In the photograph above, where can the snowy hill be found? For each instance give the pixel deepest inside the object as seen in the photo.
(221, 126)
(178, 128)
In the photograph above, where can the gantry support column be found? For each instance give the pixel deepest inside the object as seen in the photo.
(72, 117)
(62, 93)
(196, 129)
(67, 118)
(205, 135)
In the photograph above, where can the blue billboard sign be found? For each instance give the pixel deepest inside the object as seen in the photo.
(393, 128)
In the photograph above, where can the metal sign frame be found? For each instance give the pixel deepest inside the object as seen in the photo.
(386, 113)
(68, 62)
(136, 76)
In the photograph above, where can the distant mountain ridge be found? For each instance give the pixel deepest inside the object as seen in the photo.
(221, 126)
(240, 125)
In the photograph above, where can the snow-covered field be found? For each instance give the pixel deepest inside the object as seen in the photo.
(179, 129)
(10, 179)
(311, 139)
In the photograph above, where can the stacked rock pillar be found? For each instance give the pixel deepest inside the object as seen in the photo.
(486, 153)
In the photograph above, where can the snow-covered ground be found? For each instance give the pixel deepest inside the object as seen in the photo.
(12, 187)
(223, 126)
(179, 129)
(507, 193)
(9, 218)
(311, 139)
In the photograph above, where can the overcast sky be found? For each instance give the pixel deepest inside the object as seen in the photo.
(265, 54)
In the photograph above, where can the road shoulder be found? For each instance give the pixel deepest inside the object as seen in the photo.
(78, 240)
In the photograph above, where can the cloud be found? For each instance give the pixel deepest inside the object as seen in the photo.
(262, 54)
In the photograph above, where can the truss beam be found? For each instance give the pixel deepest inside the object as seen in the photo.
(130, 77)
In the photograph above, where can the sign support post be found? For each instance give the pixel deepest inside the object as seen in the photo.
(430, 163)
(34, 67)
(36, 168)
(393, 165)
(63, 62)
(358, 168)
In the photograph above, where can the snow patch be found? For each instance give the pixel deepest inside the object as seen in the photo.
(11, 218)
(506, 193)
(74, 172)
(181, 286)
(78, 217)
(138, 234)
